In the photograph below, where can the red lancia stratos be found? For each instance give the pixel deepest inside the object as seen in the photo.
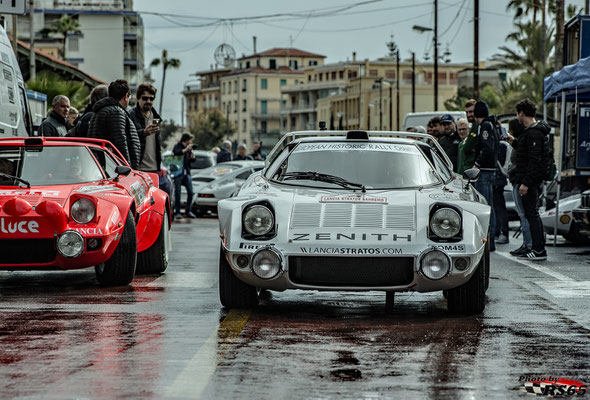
(69, 203)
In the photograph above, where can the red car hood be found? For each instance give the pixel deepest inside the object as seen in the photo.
(36, 195)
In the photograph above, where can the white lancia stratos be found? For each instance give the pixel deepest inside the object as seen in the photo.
(356, 211)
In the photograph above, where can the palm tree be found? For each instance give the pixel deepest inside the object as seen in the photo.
(64, 26)
(52, 84)
(166, 63)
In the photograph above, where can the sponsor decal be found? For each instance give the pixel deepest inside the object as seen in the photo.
(96, 189)
(112, 194)
(248, 246)
(380, 237)
(443, 196)
(347, 250)
(137, 191)
(115, 217)
(353, 199)
(552, 386)
(90, 231)
(395, 148)
(450, 247)
(44, 193)
(19, 226)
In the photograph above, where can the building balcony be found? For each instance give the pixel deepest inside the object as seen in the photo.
(265, 116)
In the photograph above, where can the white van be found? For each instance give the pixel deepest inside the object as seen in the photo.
(422, 118)
(15, 115)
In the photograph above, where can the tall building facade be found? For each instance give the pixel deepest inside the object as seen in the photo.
(110, 44)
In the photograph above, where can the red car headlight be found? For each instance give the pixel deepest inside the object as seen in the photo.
(83, 211)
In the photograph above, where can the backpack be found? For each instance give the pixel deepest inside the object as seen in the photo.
(503, 167)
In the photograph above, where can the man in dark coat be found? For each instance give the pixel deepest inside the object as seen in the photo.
(224, 154)
(184, 148)
(147, 123)
(529, 172)
(450, 139)
(112, 122)
(81, 128)
(486, 157)
(56, 124)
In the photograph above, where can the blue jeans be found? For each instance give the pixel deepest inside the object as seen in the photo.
(187, 182)
(524, 223)
(484, 186)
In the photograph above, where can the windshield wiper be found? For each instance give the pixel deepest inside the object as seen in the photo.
(318, 176)
(16, 178)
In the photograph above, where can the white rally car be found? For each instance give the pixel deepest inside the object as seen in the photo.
(337, 210)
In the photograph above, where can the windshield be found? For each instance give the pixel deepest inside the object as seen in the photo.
(373, 165)
(50, 165)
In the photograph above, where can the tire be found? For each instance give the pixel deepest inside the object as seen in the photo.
(470, 297)
(119, 270)
(389, 302)
(575, 237)
(486, 258)
(233, 293)
(155, 259)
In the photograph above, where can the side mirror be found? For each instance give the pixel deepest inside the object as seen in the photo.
(471, 174)
(121, 170)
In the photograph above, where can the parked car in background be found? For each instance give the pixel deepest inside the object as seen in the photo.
(220, 182)
(422, 118)
(203, 159)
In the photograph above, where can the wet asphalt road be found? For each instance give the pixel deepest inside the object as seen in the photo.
(64, 337)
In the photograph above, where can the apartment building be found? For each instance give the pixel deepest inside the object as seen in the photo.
(205, 95)
(110, 45)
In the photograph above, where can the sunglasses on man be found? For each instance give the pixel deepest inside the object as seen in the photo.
(146, 98)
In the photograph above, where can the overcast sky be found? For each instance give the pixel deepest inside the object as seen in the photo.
(188, 30)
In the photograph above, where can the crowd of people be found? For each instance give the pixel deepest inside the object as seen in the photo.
(515, 156)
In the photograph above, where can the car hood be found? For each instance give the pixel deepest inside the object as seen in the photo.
(36, 195)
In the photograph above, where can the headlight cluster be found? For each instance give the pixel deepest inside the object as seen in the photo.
(83, 211)
(445, 223)
(258, 220)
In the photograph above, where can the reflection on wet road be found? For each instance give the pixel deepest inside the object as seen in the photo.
(62, 336)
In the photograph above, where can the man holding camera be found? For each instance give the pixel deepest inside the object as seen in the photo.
(147, 121)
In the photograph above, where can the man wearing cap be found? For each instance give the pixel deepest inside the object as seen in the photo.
(450, 139)
(486, 156)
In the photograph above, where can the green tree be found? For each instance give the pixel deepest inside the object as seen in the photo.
(52, 84)
(210, 128)
(166, 63)
(167, 129)
(64, 26)
(487, 93)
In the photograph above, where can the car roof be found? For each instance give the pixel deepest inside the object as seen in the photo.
(343, 139)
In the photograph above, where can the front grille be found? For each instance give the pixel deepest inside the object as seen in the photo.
(351, 271)
(27, 251)
(585, 200)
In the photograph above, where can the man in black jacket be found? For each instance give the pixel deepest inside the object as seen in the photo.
(184, 148)
(112, 122)
(450, 139)
(529, 172)
(486, 156)
(56, 124)
(147, 123)
(81, 128)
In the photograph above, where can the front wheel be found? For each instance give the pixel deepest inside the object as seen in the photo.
(119, 270)
(155, 259)
(233, 293)
(470, 297)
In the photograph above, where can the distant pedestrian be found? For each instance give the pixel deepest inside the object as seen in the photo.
(420, 129)
(257, 153)
(72, 117)
(242, 153)
(465, 159)
(184, 148)
(225, 152)
(112, 122)
(81, 128)
(486, 156)
(502, 165)
(147, 123)
(449, 139)
(435, 127)
(56, 124)
(515, 130)
(530, 172)
(471, 141)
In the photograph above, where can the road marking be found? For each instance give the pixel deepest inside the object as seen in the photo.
(566, 289)
(197, 280)
(195, 377)
(534, 265)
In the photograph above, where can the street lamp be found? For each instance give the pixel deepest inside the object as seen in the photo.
(422, 29)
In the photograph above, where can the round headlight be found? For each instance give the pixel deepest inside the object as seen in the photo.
(258, 220)
(445, 223)
(266, 263)
(83, 211)
(435, 264)
(70, 244)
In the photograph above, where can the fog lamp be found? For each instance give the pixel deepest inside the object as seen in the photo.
(70, 244)
(435, 264)
(266, 263)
